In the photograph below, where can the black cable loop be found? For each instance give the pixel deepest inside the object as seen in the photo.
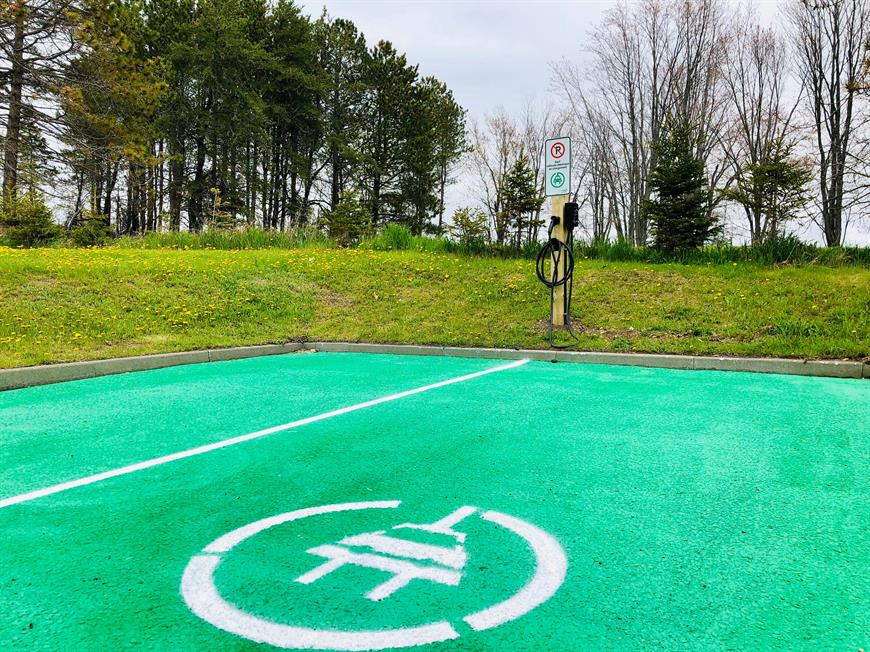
(554, 250)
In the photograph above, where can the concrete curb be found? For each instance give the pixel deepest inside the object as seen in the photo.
(239, 352)
(822, 368)
(659, 361)
(826, 368)
(56, 373)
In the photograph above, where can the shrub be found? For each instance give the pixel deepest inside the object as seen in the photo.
(94, 231)
(28, 222)
(349, 223)
(435, 245)
(678, 210)
(470, 228)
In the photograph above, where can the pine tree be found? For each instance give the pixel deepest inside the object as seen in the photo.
(678, 210)
(450, 138)
(387, 119)
(37, 42)
(108, 105)
(163, 105)
(468, 226)
(169, 29)
(292, 92)
(520, 198)
(342, 56)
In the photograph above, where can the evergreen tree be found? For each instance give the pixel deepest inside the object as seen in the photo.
(449, 137)
(349, 222)
(169, 29)
(37, 42)
(166, 105)
(678, 210)
(520, 198)
(293, 89)
(108, 106)
(227, 109)
(27, 221)
(469, 227)
(342, 57)
(387, 117)
(420, 175)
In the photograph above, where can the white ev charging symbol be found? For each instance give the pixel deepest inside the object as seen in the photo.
(449, 561)
(396, 556)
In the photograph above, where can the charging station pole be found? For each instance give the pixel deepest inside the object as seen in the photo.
(557, 208)
(557, 171)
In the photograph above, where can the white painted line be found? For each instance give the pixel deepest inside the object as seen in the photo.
(552, 564)
(403, 571)
(157, 461)
(445, 525)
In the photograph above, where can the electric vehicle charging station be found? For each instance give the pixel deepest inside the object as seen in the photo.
(560, 235)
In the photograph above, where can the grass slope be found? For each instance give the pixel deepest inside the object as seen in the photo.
(74, 304)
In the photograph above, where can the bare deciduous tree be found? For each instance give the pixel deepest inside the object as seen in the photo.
(495, 146)
(536, 126)
(829, 38)
(650, 60)
(756, 81)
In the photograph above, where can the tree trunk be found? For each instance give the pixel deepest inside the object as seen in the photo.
(196, 191)
(335, 185)
(376, 198)
(13, 126)
(442, 183)
(176, 182)
(106, 213)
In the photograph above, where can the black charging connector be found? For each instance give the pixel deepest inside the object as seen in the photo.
(571, 215)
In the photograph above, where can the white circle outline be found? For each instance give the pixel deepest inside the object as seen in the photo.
(202, 597)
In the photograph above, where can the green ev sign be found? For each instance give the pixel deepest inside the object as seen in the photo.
(557, 164)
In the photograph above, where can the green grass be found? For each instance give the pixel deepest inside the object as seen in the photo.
(62, 304)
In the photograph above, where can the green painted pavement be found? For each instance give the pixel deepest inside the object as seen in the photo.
(697, 510)
(61, 432)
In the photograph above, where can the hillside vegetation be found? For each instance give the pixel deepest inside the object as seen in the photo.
(61, 304)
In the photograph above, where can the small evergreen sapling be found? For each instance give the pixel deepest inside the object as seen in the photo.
(679, 210)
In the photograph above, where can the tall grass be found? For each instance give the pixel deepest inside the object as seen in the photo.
(395, 237)
(252, 238)
(785, 250)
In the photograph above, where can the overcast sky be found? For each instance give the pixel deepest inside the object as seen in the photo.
(491, 53)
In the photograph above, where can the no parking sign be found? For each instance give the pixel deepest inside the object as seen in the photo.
(557, 166)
